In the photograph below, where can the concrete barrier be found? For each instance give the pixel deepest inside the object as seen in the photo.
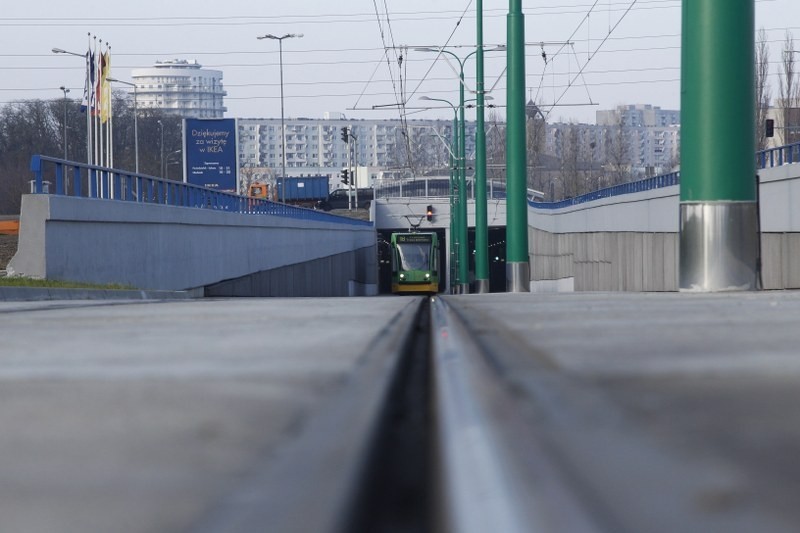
(174, 248)
(630, 242)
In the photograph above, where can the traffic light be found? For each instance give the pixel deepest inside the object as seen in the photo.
(429, 213)
(345, 176)
(345, 134)
(770, 128)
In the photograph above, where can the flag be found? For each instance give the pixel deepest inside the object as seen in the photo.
(105, 88)
(88, 88)
(97, 83)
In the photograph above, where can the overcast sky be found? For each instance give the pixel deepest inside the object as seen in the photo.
(341, 63)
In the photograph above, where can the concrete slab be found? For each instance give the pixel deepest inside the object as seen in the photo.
(672, 411)
(139, 416)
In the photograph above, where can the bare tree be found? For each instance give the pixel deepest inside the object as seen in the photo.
(789, 92)
(763, 90)
(495, 146)
(617, 150)
(569, 157)
(536, 131)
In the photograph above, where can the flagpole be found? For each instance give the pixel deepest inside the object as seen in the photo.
(87, 88)
(110, 113)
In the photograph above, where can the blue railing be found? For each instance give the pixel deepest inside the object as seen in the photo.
(90, 181)
(647, 184)
(775, 157)
(772, 157)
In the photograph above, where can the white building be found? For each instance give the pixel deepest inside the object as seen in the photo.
(315, 146)
(182, 88)
(646, 137)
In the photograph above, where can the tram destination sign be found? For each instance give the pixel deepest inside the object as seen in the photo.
(413, 237)
(211, 151)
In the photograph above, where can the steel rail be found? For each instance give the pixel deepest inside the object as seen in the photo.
(567, 454)
(493, 473)
(313, 484)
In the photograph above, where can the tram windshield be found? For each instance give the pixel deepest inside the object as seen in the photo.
(414, 256)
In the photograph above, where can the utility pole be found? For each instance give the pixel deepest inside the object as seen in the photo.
(718, 200)
(481, 216)
(517, 261)
(65, 90)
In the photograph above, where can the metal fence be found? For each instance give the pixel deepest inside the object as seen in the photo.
(68, 178)
(647, 184)
(781, 155)
(772, 157)
(433, 188)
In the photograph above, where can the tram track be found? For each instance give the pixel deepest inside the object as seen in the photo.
(452, 424)
(423, 438)
(455, 451)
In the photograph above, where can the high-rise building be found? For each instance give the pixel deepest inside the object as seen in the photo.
(180, 87)
(316, 146)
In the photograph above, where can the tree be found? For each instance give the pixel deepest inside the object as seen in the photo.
(789, 93)
(26, 128)
(536, 136)
(495, 147)
(617, 150)
(763, 91)
(569, 152)
(32, 127)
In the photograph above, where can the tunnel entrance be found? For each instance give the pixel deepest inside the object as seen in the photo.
(497, 259)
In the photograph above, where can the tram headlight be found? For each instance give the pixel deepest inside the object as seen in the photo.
(427, 276)
(402, 276)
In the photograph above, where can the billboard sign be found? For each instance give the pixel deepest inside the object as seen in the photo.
(211, 152)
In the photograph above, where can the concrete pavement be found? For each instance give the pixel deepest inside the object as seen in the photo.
(134, 417)
(667, 412)
(660, 412)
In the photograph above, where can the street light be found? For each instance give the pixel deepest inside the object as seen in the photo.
(135, 119)
(65, 120)
(455, 231)
(283, 128)
(462, 193)
(88, 114)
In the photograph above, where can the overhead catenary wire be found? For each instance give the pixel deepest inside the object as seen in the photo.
(580, 72)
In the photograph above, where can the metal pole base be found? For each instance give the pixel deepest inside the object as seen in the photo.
(518, 277)
(718, 246)
(481, 286)
(464, 288)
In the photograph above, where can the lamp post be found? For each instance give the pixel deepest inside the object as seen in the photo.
(135, 120)
(481, 202)
(283, 128)
(161, 125)
(517, 259)
(65, 90)
(462, 190)
(88, 114)
(455, 157)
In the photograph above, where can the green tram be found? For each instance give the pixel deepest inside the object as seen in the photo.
(415, 263)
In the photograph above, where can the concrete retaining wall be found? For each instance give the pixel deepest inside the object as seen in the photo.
(630, 242)
(174, 248)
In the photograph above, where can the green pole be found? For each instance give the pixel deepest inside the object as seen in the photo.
(453, 218)
(481, 219)
(517, 262)
(718, 209)
(463, 222)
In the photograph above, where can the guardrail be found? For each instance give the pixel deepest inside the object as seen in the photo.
(647, 184)
(90, 181)
(433, 188)
(772, 157)
(781, 155)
